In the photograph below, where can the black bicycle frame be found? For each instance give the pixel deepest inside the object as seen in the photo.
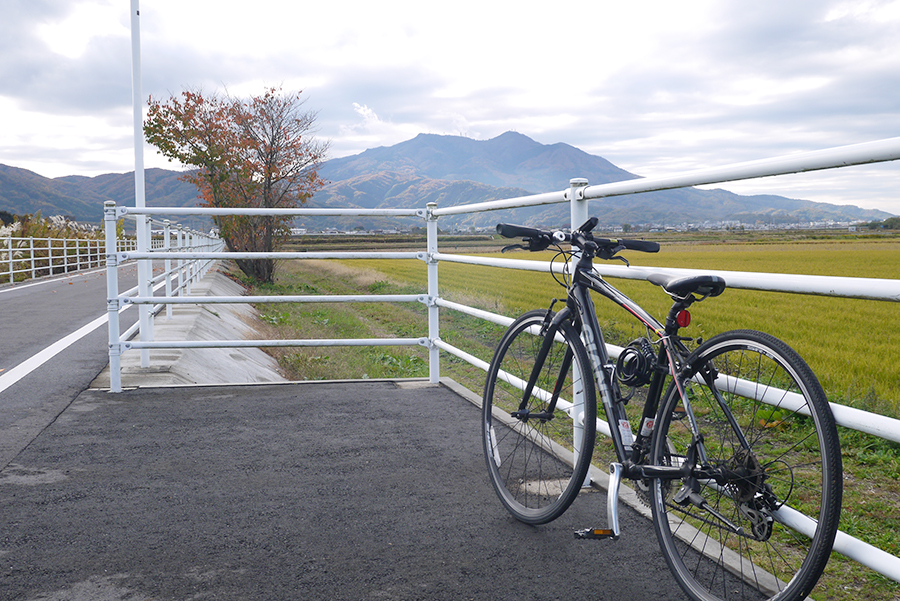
(630, 450)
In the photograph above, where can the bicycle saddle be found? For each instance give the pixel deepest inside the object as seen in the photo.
(704, 285)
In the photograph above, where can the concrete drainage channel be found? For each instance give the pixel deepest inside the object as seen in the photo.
(178, 367)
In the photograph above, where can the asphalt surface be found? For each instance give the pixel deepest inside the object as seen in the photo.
(360, 490)
(33, 316)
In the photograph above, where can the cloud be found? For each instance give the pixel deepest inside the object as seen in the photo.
(654, 86)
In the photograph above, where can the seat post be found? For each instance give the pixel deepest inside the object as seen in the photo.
(679, 305)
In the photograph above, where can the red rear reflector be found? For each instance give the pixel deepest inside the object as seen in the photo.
(683, 318)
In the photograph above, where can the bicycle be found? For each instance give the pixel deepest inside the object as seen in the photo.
(735, 443)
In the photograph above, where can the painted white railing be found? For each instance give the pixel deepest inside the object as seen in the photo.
(29, 258)
(178, 274)
(577, 195)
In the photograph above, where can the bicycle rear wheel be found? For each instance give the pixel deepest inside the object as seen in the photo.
(538, 459)
(771, 435)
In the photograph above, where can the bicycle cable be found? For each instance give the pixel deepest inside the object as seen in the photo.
(566, 271)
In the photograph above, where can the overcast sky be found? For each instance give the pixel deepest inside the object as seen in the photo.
(653, 86)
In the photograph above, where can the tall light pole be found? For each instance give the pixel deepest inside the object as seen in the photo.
(145, 268)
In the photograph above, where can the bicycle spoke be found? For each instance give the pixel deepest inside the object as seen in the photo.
(535, 479)
(763, 457)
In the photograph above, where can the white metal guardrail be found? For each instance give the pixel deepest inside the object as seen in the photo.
(29, 258)
(178, 274)
(187, 256)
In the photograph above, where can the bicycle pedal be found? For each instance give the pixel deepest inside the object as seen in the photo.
(595, 533)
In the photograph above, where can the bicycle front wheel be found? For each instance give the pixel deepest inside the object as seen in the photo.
(772, 457)
(538, 448)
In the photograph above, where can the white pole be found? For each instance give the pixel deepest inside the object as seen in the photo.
(112, 296)
(431, 228)
(578, 214)
(139, 201)
(137, 106)
(167, 245)
(578, 206)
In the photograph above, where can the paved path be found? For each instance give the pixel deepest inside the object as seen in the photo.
(363, 490)
(34, 316)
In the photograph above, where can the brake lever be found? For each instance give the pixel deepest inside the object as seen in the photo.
(534, 244)
(609, 254)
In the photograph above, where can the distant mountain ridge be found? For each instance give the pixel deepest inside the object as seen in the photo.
(448, 170)
(432, 167)
(82, 198)
(511, 160)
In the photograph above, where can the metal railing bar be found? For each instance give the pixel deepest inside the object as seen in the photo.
(224, 255)
(247, 212)
(847, 417)
(224, 300)
(830, 158)
(456, 352)
(848, 546)
(521, 264)
(167, 344)
(547, 198)
(479, 313)
(821, 285)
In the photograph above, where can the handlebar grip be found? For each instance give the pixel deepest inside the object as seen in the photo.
(643, 246)
(509, 230)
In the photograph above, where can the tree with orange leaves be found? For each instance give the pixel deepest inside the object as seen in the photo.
(255, 153)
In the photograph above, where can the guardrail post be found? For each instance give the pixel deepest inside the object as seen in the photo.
(578, 205)
(112, 296)
(9, 256)
(195, 265)
(145, 286)
(189, 264)
(578, 212)
(31, 252)
(434, 363)
(179, 241)
(168, 265)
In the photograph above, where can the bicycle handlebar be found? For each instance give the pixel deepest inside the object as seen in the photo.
(540, 239)
(509, 230)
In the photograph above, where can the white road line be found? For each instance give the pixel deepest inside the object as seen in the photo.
(35, 361)
(32, 363)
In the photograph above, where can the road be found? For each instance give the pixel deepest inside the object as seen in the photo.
(34, 316)
(244, 492)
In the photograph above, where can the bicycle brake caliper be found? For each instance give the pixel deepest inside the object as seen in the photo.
(548, 317)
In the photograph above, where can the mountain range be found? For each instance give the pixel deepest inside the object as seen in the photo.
(448, 170)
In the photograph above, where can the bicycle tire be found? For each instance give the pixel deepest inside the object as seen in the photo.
(795, 461)
(536, 466)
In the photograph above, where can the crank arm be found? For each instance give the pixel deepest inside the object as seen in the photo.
(612, 508)
(526, 415)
